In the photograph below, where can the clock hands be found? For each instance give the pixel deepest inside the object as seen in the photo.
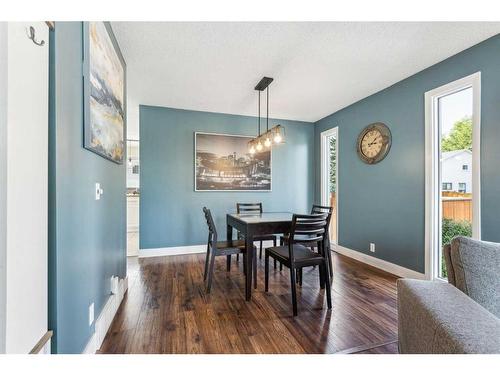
(373, 142)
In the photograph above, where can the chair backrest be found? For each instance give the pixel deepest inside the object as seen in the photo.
(212, 230)
(317, 209)
(249, 208)
(313, 227)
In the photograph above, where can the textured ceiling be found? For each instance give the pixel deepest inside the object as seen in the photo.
(318, 68)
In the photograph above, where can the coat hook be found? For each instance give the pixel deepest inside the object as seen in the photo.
(31, 36)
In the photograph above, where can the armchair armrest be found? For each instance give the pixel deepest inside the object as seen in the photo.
(436, 317)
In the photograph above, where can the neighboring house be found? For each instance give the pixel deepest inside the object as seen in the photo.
(456, 171)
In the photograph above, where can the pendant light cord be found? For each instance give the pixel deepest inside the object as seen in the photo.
(267, 120)
(259, 116)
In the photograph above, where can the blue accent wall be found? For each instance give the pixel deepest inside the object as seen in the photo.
(86, 237)
(385, 203)
(170, 209)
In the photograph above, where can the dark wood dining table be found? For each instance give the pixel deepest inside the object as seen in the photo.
(250, 225)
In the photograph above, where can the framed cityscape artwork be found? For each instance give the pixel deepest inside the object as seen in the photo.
(223, 163)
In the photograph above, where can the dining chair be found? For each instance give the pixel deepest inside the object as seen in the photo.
(317, 209)
(255, 208)
(306, 230)
(219, 248)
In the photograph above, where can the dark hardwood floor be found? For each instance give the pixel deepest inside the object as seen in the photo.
(167, 311)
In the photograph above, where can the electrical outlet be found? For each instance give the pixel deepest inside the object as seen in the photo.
(91, 314)
(372, 247)
(114, 285)
(98, 191)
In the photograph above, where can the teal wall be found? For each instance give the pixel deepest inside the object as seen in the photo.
(385, 203)
(170, 209)
(86, 237)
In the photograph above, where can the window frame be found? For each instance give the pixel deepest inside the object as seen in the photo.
(433, 189)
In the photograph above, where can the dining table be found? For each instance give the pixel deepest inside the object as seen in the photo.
(249, 225)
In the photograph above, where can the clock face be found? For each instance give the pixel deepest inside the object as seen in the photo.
(374, 143)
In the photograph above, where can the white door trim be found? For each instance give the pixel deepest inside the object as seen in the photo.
(432, 151)
(324, 148)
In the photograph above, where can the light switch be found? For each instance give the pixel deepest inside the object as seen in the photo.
(98, 191)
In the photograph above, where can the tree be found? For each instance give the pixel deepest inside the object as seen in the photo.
(333, 164)
(460, 137)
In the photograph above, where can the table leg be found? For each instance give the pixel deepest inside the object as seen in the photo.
(254, 269)
(229, 238)
(250, 268)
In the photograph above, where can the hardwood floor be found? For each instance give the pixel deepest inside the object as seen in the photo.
(167, 311)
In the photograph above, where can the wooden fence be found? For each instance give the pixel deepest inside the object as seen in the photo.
(457, 208)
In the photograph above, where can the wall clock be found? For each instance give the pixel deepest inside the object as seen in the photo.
(374, 143)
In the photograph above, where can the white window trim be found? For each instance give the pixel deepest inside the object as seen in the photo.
(432, 188)
(324, 172)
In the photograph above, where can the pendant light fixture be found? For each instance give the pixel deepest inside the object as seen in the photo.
(276, 134)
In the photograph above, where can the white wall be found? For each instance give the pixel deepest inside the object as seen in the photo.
(452, 170)
(132, 179)
(26, 188)
(3, 177)
(132, 116)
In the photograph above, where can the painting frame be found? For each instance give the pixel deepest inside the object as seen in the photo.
(248, 138)
(87, 126)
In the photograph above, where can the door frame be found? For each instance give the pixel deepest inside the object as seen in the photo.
(324, 174)
(433, 214)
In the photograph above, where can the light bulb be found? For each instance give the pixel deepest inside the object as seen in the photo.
(252, 150)
(259, 146)
(267, 142)
(277, 138)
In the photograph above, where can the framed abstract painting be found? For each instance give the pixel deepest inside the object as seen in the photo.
(223, 163)
(104, 86)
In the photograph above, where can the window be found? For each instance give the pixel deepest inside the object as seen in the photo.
(329, 190)
(452, 125)
(447, 186)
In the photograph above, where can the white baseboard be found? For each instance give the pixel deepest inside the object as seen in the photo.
(379, 263)
(167, 251)
(103, 322)
(182, 250)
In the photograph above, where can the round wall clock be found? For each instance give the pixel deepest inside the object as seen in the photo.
(374, 143)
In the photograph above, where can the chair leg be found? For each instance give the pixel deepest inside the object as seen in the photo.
(237, 257)
(328, 289)
(294, 290)
(210, 272)
(207, 259)
(299, 274)
(330, 262)
(275, 264)
(281, 266)
(321, 277)
(244, 264)
(255, 269)
(260, 250)
(266, 265)
(228, 263)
